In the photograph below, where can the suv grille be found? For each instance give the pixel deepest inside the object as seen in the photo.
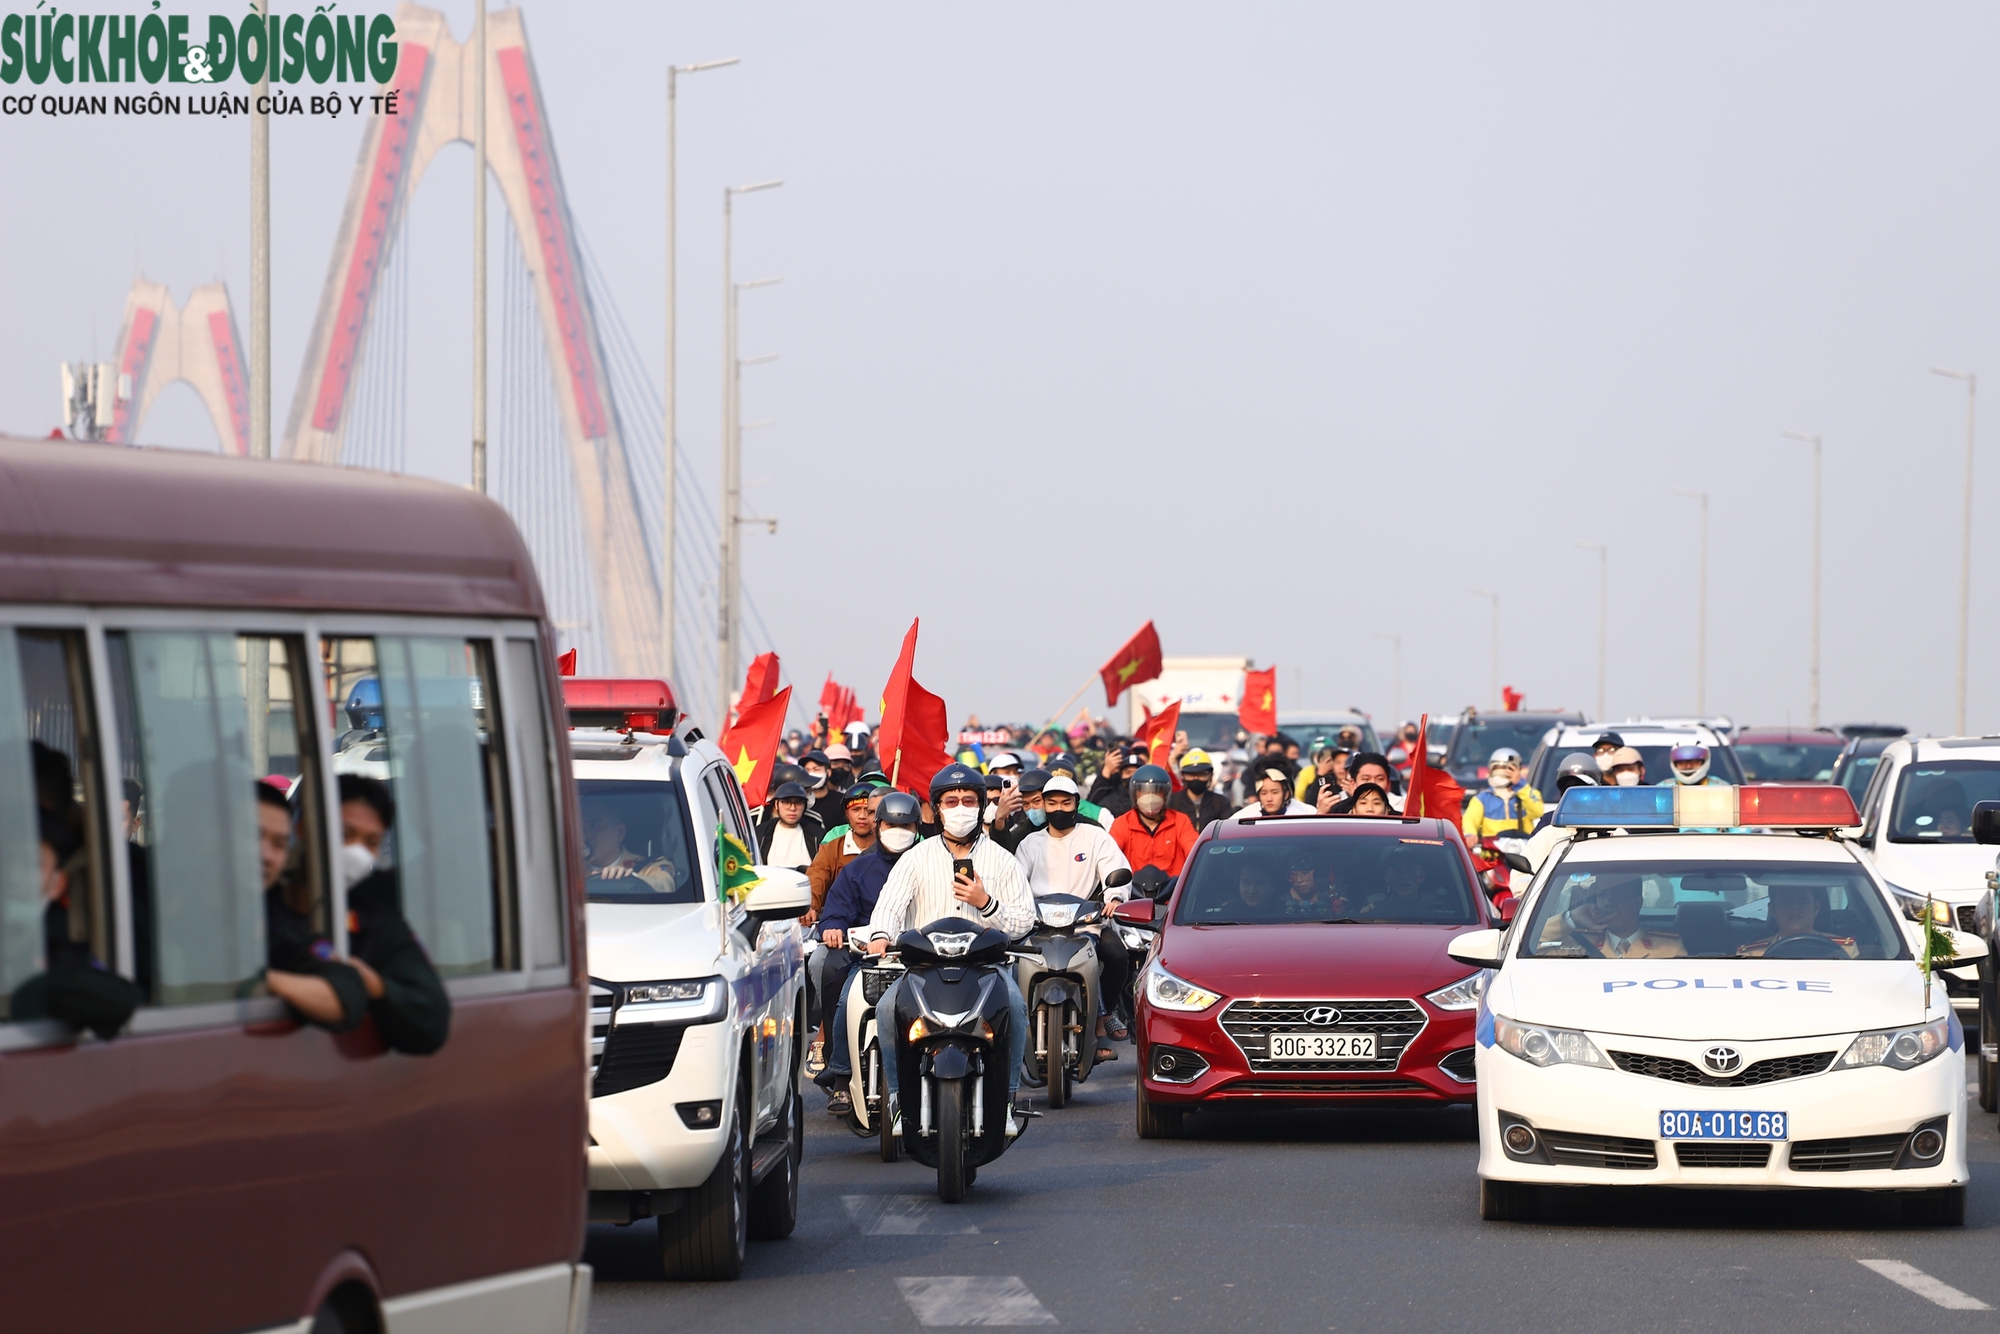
(1395, 1024)
(1968, 918)
(1609, 1151)
(1722, 1155)
(635, 1056)
(1685, 1072)
(1861, 1153)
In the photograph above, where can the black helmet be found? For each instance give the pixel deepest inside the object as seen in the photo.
(955, 776)
(995, 783)
(859, 792)
(789, 792)
(1151, 776)
(1062, 761)
(1034, 781)
(898, 808)
(782, 774)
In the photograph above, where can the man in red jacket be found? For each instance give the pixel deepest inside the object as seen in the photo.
(1150, 834)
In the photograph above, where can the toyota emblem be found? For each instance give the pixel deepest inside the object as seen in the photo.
(1322, 1015)
(1722, 1060)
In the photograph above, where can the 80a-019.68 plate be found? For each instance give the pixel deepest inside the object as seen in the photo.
(1724, 1125)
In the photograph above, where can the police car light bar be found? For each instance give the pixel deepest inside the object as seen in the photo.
(620, 703)
(1767, 805)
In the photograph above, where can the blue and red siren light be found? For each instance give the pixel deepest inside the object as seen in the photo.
(1764, 806)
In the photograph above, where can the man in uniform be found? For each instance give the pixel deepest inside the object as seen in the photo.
(1793, 912)
(1605, 924)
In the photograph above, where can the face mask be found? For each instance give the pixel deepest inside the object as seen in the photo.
(1627, 778)
(357, 863)
(1197, 786)
(843, 778)
(1061, 819)
(1500, 782)
(897, 839)
(987, 812)
(1152, 803)
(960, 820)
(1036, 816)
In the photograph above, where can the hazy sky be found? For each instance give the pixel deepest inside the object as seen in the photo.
(1281, 325)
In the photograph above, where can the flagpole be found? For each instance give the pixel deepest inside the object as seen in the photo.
(1056, 717)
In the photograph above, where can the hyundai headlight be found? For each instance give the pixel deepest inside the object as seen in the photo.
(1539, 1045)
(1173, 993)
(1897, 1048)
(1056, 914)
(1461, 995)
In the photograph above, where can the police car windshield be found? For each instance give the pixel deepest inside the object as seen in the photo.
(1934, 800)
(1358, 878)
(1712, 910)
(636, 843)
(1790, 761)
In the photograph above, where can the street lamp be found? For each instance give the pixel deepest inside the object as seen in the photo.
(1482, 593)
(1812, 714)
(1603, 613)
(727, 629)
(1701, 612)
(1396, 640)
(1965, 549)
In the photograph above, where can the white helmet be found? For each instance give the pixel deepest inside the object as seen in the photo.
(1681, 755)
(1504, 755)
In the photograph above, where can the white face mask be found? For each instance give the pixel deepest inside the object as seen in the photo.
(987, 812)
(1628, 778)
(1152, 803)
(1500, 781)
(356, 864)
(960, 821)
(898, 839)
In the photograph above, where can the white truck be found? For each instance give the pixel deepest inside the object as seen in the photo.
(697, 1021)
(1210, 691)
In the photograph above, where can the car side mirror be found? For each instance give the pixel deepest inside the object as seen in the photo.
(1135, 912)
(1515, 861)
(1506, 908)
(1476, 949)
(1986, 822)
(1967, 946)
(784, 894)
(1119, 878)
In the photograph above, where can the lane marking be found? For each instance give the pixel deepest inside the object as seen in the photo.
(974, 1300)
(1930, 1289)
(904, 1216)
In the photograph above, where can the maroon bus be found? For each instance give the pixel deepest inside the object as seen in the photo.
(230, 691)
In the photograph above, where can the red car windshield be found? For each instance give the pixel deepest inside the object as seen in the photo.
(1347, 878)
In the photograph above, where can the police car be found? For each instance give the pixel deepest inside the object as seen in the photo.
(1694, 994)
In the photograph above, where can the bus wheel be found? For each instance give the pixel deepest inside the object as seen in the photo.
(708, 1237)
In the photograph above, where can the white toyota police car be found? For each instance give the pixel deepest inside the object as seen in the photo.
(1695, 994)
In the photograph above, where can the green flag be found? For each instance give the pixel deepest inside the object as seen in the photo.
(739, 868)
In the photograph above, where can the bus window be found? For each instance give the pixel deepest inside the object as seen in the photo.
(55, 923)
(202, 716)
(420, 714)
(543, 915)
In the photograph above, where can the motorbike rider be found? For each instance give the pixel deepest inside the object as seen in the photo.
(1028, 814)
(1690, 766)
(1089, 809)
(1500, 809)
(1576, 771)
(1108, 789)
(924, 887)
(842, 844)
(789, 834)
(1273, 788)
(1151, 834)
(1072, 856)
(849, 902)
(1624, 767)
(1198, 800)
(1602, 749)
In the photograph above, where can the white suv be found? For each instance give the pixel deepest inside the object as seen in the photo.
(1653, 739)
(697, 1005)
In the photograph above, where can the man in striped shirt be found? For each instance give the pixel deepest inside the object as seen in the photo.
(924, 888)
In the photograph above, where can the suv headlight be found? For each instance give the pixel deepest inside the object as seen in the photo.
(1539, 1045)
(1172, 993)
(1897, 1048)
(700, 1000)
(1463, 995)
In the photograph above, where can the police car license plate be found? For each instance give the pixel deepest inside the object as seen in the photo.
(1322, 1046)
(1723, 1125)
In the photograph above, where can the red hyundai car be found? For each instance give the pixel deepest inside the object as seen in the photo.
(1301, 961)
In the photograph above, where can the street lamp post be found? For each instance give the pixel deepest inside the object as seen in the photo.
(479, 248)
(1603, 612)
(1397, 697)
(1965, 549)
(1701, 612)
(1812, 713)
(667, 511)
(1495, 597)
(728, 631)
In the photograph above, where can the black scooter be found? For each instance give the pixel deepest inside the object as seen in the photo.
(951, 1044)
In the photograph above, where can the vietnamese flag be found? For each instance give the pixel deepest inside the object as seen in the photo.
(1157, 733)
(910, 741)
(566, 663)
(836, 701)
(1259, 710)
(751, 744)
(1433, 792)
(1137, 662)
(760, 682)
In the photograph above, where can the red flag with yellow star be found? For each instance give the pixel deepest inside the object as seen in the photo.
(1157, 732)
(910, 743)
(751, 744)
(1138, 662)
(1259, 711)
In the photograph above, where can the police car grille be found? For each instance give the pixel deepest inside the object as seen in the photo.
(1722, 1155)
(1609, 1151)
(1860, 1153)
(1686, 1072)
(1395, 1024)
(636, 1055)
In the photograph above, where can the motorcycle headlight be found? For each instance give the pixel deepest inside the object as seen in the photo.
(1897, 1048)
(1135, 939)
(1173, 993)
(1461, 995)
(1539, 1045)
(1056, 914)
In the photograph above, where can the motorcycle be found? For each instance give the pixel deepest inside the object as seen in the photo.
(1059, 973)
(870, 977)
(951, 1045)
